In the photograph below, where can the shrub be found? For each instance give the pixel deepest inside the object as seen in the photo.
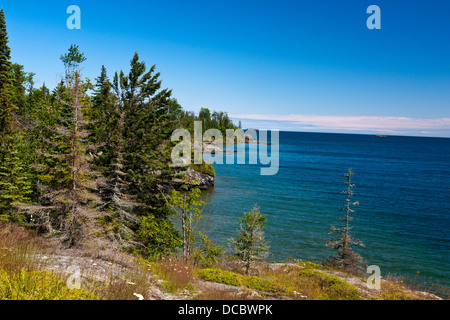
(310, 265)
(207, 254)
(329, 287)
(158, 236)
(238, 280)
(205, 168)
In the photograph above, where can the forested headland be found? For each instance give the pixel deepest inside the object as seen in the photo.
(89, 161)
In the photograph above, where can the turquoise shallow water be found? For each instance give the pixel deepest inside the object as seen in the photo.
(402, 184)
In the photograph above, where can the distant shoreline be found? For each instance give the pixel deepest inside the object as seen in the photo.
(356, 134)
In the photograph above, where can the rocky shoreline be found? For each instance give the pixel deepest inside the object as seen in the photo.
(206, 181)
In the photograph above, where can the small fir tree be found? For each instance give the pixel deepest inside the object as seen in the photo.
(250, 245)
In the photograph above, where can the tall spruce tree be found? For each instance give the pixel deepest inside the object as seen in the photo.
(143, 152)
(6, 107)
(134, 122)
(5, 53)
(15, 186)
(107, 121)
(147, 128)
(66, 178)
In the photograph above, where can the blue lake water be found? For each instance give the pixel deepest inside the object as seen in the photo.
(401, 183)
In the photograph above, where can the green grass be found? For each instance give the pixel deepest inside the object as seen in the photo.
(37, 285)
(177, 275)
(239, 280)
(312, 284)
(310, 265)
(329, 287)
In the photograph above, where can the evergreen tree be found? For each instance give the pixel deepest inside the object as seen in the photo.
(66, 180)
(72, 60)
(250, 245)
(135, 123)
(346, 257)
(6, 106)
(147, 128)
(107, 121)
(47, 157)
(15, 185)
(69, 162)
(22, 86)
(5, 52)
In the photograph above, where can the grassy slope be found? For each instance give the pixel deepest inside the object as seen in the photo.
(23, 276)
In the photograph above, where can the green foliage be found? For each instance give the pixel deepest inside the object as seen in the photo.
(72, 60)
(210, 120)
(15, 186)
(139, 156)
(15, 181)
(310, 265)
(250, 245)
(160, 238)
(188, 202)
(207, 253)
(6, 106)
(239, 280)
(5, 52)
(205, 168)
(21, 87)
(74, 165)
(188, 208)
(346, 257)
(331, 287)
(310, 283)
(63, 162)
(38, 285)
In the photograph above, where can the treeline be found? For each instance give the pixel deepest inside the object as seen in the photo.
(89, 162)
(210, 120)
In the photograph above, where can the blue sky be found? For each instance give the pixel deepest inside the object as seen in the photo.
(288, 65)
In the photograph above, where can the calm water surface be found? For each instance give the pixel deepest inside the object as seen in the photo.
(402, 184)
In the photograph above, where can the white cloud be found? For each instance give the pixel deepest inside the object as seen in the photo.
(361, 124)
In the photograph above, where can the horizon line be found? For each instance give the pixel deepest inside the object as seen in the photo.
(350, 124)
